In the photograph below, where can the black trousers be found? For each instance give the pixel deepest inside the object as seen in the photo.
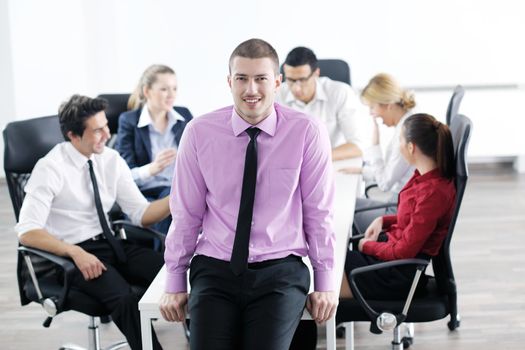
(258, 310)
(113, 287)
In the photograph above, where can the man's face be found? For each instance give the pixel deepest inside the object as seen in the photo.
(95, 135)
(301, 81)
(253, 84)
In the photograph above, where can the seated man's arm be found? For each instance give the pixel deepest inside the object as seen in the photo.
(90, 266)
(348, 114)
(345, 151)
(156, 211)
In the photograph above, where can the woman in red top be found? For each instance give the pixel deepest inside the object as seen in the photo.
(425, 208)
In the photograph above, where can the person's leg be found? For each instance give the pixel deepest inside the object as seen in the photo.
(214, 305)
(305, 336)
(113, 287)
(275, 300)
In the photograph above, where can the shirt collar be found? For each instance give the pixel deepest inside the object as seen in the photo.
(268, 125)
(432, 174)
(145, 117)
(78, 159)
(320, 94)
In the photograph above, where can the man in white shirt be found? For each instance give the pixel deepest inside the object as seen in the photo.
(333, 102)
(68, 189)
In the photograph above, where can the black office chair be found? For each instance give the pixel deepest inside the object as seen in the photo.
(440, 299)
(117, 104)
(334, 69)
(20, 157)
(455, 101)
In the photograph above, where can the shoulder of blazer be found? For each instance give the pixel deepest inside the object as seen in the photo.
(185, 112)
(131, 117)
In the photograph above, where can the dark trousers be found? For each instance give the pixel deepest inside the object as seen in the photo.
(153, 194)
(113, 287)
(258, 310)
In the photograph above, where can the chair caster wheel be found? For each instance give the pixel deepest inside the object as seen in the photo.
(453, 324)
(340, 332)
(407, 341)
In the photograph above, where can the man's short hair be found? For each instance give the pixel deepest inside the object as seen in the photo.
(300, 56)
(256, 48)
(73, 113)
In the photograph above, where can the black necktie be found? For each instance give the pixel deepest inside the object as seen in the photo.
(239, 259)
(115, 245)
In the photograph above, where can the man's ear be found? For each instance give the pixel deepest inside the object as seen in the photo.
(72, 136)
(317, 72)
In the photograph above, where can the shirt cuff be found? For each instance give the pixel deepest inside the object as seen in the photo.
(143, 172)
(324, 281)
(176, 283)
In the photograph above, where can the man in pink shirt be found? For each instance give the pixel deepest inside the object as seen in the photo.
(252, 193)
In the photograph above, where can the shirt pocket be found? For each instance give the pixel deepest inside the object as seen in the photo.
(283, 184)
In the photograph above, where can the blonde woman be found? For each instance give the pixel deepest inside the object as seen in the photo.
(149, 134)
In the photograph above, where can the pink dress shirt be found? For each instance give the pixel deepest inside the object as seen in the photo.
(293, 208)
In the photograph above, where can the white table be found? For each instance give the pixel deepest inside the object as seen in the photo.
(345, 194)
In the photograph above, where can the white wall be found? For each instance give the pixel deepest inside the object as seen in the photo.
(61, 47)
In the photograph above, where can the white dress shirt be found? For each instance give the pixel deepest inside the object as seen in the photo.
(159, 142)
(59, 194)
(392, 172)
(336, 105)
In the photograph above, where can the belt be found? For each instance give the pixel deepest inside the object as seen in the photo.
(266, 263)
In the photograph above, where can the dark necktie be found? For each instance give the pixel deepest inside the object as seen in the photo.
(239, 259)
(115, 245)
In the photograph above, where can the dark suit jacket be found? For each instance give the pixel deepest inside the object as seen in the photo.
(133, 143)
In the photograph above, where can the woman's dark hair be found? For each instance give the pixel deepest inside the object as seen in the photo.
(73, 113)
(434, 139)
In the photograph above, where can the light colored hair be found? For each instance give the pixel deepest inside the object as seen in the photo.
(384, 89)
(149, 77)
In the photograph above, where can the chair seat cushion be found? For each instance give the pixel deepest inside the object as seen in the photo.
(430, 306)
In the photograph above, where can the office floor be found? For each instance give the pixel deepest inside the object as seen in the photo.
(489, 261)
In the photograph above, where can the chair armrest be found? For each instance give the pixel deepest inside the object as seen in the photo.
(421, 264)
(367, 188)
(136, 233)
(66, 264)
(379, 206)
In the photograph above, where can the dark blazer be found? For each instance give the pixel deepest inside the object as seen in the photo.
(133, 143)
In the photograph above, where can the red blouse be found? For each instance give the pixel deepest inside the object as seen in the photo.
(424, 212)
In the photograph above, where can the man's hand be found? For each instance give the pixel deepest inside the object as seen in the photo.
(322, 305)
(90, 266)
(162, 160)
(173, 306)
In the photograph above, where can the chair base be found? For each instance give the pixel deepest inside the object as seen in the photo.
(94, 340)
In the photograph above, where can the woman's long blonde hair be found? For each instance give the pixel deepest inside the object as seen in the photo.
(149, 77)
(384, 89)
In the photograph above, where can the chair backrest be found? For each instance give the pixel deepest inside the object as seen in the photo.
(334, 69)
(455, 101)
(25, 142)
(461, 129)
(117, 103)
